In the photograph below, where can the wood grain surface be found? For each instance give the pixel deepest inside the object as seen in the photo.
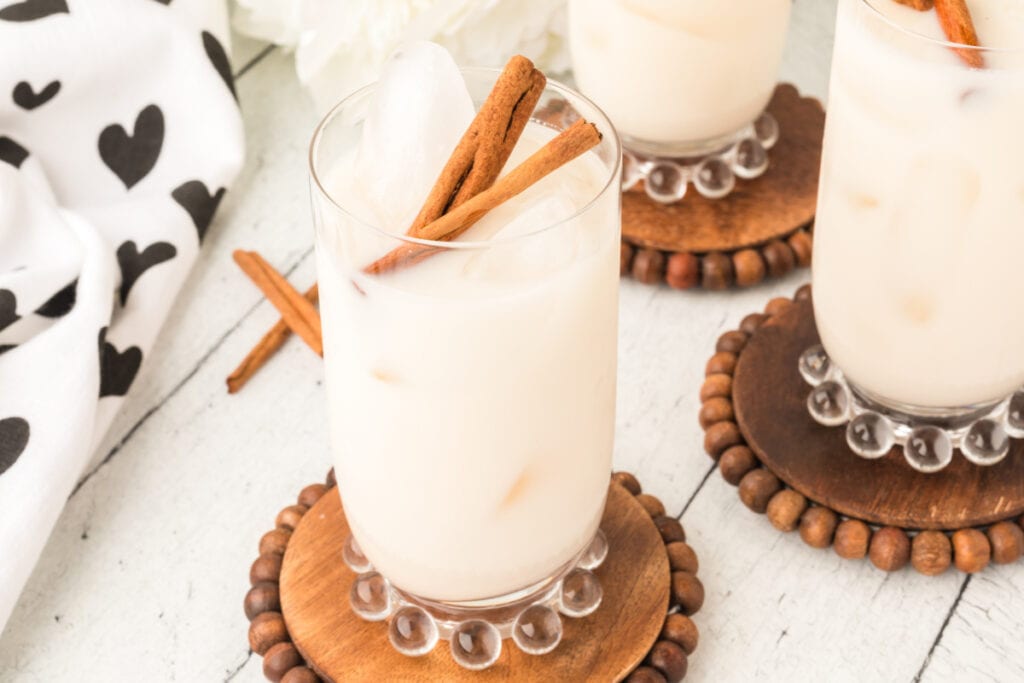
(758, 210)
(770, 402)
(603, 647)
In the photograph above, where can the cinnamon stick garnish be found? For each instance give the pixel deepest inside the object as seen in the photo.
(267, 347)
(296, 311)
(566, 146)
(956, 21)
(487, 144)
(919, 5)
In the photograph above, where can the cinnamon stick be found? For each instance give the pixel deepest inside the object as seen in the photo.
(296, 311)
(487, 144)
(919, 5)
(566, 146)
(956, 21)
(267, 347)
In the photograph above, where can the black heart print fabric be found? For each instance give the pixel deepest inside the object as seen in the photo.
(110, 178)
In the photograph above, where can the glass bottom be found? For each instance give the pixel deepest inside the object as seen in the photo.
(668, 173)
(475, 630)
(928, 436)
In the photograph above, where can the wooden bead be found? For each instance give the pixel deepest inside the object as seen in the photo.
(757, 488)
(289, 517)
(646, 674)
(716, 386)
(263, 597)
(800, 243)
(266, 631)
(687, 592)
(311, 494)
(670, 529)
(721, 436)
(625, 258)
(818, 526)
(275, 541)
(889, 549)
(803, 293)
(715, 410)
(717, 269)
(683, 271)
(279, 659)
(265, 568)
(300, 674)
(971, 550)
(627, 481)
(330, 479)
(749, 267)
(785, 508)
(722, 363)
(852, 539)
(735, 462)
(732, 341)
(669, 659)
(1007, 541)
(777, 305)
(681, 630)
(681, 557)
(779, 258)
(931, 553)
(651, 504)
(752, 322)
(648, 266)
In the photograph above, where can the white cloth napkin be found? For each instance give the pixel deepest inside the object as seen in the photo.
(119, 132)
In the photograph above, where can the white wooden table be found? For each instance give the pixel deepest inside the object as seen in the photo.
(144, 575)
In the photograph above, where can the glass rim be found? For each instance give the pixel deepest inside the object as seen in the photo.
(982, 49)
(607, 130)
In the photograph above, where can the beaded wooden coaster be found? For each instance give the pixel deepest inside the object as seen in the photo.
(302, 625)
(804, 476)
(762, 229)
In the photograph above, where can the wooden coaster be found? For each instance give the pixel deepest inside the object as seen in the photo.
(302, 625)
(803, 475)
(762, 229)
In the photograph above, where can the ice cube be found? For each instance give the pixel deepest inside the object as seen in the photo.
(532, 255)
(420, 110)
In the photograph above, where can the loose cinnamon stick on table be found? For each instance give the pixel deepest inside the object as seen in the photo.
(473, 167)
(566, 146)
(267, 347)
(955, 17)
(298, 313)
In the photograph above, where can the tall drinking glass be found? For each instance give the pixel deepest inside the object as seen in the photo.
(471, 395)
(919, 235)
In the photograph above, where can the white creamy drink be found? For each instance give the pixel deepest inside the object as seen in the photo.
(678, 71)
(471, 394)
(920, 228)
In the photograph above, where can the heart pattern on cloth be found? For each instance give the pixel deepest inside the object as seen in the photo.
(28, 99)
(8, 308)
(14, 433)
(219, 58)
(61, 303)
(134, 264)
(196, 199)
(132, 157)
(117, 368)
(11, 152)
(30, 10)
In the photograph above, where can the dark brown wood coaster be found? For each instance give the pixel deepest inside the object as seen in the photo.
(803, 475)
(301, 623)
(762, 229)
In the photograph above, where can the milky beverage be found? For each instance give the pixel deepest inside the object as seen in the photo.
(919, 237)
(678, 70)
(472, 394)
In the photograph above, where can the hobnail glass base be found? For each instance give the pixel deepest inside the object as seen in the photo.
(475, 635)
(713, 175)
(872, 429)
